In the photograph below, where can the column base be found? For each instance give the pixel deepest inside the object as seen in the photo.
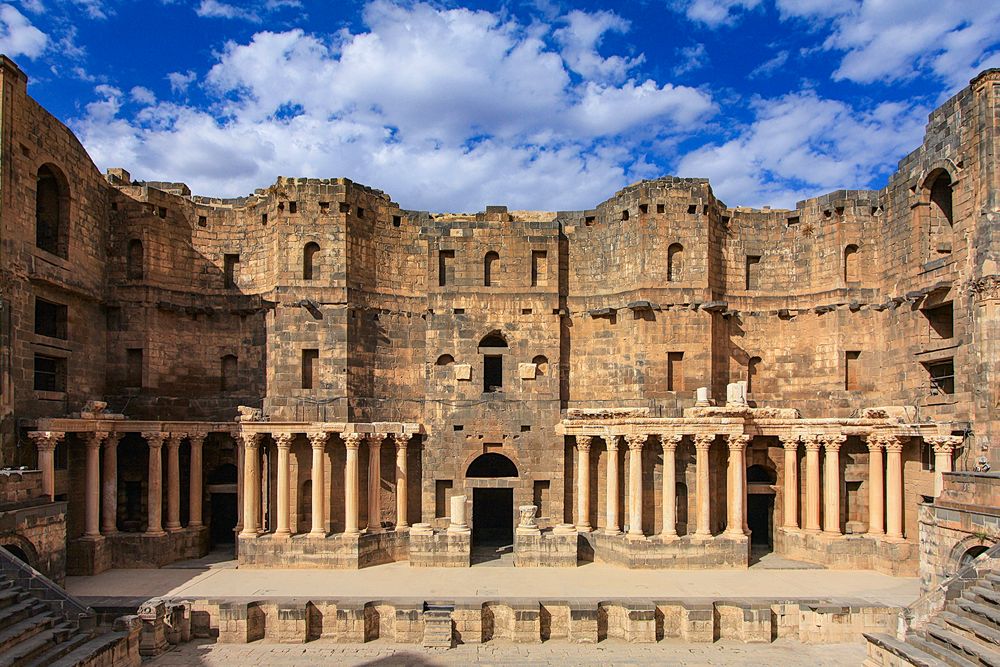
(405, 528)
(192, 524)
(611, 531)
(283, 535)
(155, 533)
(584, 528)
(734, 534)
(91, 537)
(894, 538)
(247, 534)
(702, 536)
(173, 529)
(669, 537)
(635, 537)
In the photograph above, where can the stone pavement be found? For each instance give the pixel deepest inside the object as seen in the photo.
(611, 652)
(399, 580)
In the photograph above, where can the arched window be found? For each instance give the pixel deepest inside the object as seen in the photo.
(51, 211)
(134, 260)
(445, 360)
(971, 555)
(491, 464)
(753, 370)
(541, 363)
(851, 270)
(491, 264)
(310, 270)
(940, 215)
(492, 347)
(230, 366)
(675, 262)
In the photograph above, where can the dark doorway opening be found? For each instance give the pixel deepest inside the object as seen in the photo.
(760, 513)
(492, 523)
(17, 552)
(224, 517)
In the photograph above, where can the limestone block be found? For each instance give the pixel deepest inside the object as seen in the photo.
(463, 372)
(583, 623)
(527, 371)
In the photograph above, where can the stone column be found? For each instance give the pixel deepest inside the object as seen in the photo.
(894, 487)
(583, 482)
(831, 478)
(876, 487)
(737, 490)
(154, 496)
(173, 443)
(944, 446)
(109, 485)
(812, 482)
(702, 443)
(402, 442)
(318, 476)
(635, 444)
(611, 485)
(375, 481)
(45, 443)
(283, 442)
(195, 489)
(251, 483)
(791, 493)
(352, 441)
(240, 491)
(92, 515)
(458, 522)
(669, 445)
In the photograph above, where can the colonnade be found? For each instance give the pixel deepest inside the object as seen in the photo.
(101, 495)
(885, 482)
(251, 524)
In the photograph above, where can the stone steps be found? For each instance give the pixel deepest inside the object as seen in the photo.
(23, 631)
(971, 628)
(437, 629)
(961, 650)
(978, 612)
(909, 651)
(81, 651)
(27, 651)
(20, 611)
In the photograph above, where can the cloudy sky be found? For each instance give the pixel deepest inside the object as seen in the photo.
(449, 106)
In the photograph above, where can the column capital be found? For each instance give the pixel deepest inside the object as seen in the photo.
(114, 437)
(352, 440)
(583, 442)
(832, 443)
(703, 440)
(737, 442)
(94, 439)
(318, 439)
(894, 443)
(197, 438)
(811, 442)
(283, 440)
(377, 438)
(250, 439)
(173, 440)
(46, 440)
(154, 439)
(636, 441)
(789, 442)
(944, 444)
(875, 442)
(402, 439)
(669, 442)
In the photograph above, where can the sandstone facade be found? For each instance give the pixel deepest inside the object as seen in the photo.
(316, 363)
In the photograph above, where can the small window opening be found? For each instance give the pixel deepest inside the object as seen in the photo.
(675, 262)
(310, 270)
(827, 214)
(588, 221)
(50, 319)
(492, 373)
(852, 272)
(230, 366)
(344, 207)
(309, 359)
(839, 211)
(50, 373)
(941, 320)
(446, 269)
(753, 272)
(397, 220)
(851, 369)
(231, 267)
(491, 266)
(263, 218)
(162, 211)
(692, 209)
(324, 207)
(460, 311)
(525, 428)
(202, 221)
(134, 260)
(458, 427)
(675, 371)
(643, 208)
(281, 206)
(625, 214)
(526, 311)
(793, 220)
(445, 360)
(133, 367)
(660, 208)
(539, 268)
(541, 363)
(293, 207)
(114, 206)
(942, 376)
(361, 212)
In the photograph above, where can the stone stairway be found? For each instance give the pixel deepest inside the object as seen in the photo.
(965, 633)
(437, 627)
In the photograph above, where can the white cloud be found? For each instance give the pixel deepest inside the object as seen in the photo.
(18, 37)
(580, 39)
(714, 13)
(771, 65)
(443, 108)
(801, 145)
(33, 6)
(222, 10)
(691, 58)
(142, 95)
(95, 9)
(181, 81)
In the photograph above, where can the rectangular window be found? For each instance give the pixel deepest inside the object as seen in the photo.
(446, 270)
(539, 268)
(851, 363)
(50, 319)
(231, 266)
(675, 371)
(753, 272)
(492, 372)
(309, 359)
(442, 497)
(133, 367)
(540, 495)
(926, 457)
(941, 320)
(50, 373)
(942, 376)
(293, 207)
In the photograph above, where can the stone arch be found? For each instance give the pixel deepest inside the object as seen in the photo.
(675, 262)
(541, 363)
(962, 548)
(310, 260)
(52, 210)
(852, 272)
(445, 360)
(134, 260)
(21, 548)
(491, 265)
(936, 209)
(491, 464)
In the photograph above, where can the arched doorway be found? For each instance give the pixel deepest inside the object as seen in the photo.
(222, 493)
(18, 553)
(971, 555)
(492, 506)
(760, 507)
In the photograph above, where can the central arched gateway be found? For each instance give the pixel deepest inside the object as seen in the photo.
(492, 506)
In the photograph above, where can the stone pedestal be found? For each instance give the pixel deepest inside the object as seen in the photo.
(545, 549)
(442, 549)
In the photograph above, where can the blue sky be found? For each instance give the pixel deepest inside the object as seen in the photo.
(536, 104)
